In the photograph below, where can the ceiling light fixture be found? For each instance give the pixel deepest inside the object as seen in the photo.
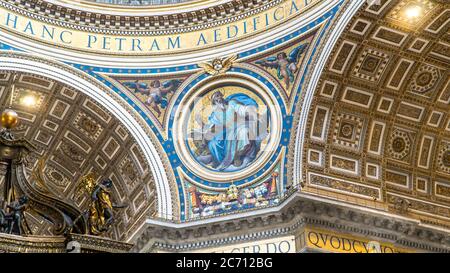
(413, 11)
(28, 101)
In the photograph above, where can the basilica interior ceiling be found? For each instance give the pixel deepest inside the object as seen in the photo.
(264, 75)
(376, 132)
(379, 129)
(75, 136)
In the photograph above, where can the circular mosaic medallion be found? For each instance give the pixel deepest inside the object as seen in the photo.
(228, 129)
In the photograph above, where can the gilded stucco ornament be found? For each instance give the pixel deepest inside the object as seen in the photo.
(218, 66)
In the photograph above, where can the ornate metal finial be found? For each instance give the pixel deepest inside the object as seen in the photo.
(218, 66)
(9, 120)
(9, 117)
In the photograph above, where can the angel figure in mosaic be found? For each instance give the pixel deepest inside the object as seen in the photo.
(156, 92)
(286, 65)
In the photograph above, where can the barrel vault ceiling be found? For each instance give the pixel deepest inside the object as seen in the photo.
(75, 136)
(379, 128)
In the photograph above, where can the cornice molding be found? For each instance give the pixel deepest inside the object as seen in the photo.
(299, 211)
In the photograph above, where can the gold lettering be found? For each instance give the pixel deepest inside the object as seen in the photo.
(82, 40)
(342, 243)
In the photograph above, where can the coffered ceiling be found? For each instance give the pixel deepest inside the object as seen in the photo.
(75, 136)
(379, 128)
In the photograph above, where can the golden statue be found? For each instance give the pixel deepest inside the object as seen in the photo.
(100, 213)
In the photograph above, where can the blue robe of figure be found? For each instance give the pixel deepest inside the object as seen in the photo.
(235, 137)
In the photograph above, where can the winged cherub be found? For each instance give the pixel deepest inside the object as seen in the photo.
(218, 66)
(286, 65)
(155, 91)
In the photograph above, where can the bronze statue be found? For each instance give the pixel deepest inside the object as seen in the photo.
(3, 221)
(100, 213)
(14, 221)
(101, 209)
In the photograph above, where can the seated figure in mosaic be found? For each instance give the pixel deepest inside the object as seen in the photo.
(232, 136)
